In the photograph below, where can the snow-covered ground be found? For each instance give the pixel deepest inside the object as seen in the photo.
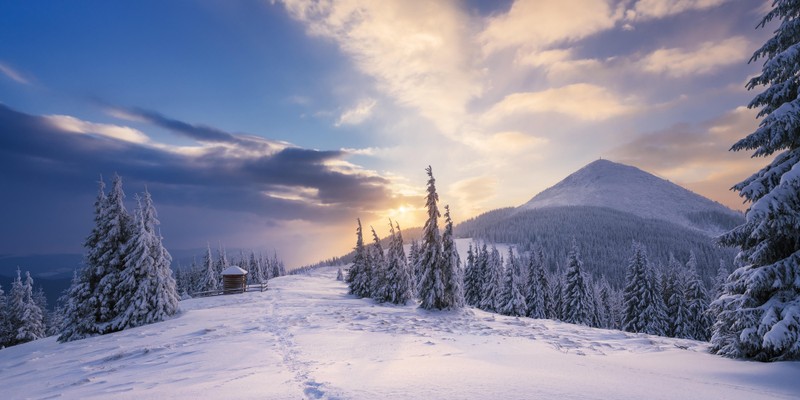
(306, 338)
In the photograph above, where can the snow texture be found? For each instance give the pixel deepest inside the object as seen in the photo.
(307, 338)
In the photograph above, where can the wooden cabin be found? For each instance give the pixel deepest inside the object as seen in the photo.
(234, 280)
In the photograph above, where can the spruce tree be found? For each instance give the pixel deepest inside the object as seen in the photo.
(5, 323)
(379, 289)
(451, 264)
(414, 258)
(493, 283)
(644, 309)
(398, 273)
(534, 297)
(472, 281)
(677, 308)
(513, 302)
(433, 282)
(146, 288)
(208, 280)
(758, 315)
(577, 300)
(697, 305)
(27, 321)
(358, 275)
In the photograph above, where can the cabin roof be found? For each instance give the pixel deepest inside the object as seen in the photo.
(234, 270)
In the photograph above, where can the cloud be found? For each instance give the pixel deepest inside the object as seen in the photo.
(13, 74)
(581, 100)
(358, 114)
(470, 194)
(46, 149)
(72, 124)
(418, 53)
(697, 156)
(657, 9)
(538, 24)
(705, 59)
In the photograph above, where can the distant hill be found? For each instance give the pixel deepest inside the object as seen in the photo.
(605, 206)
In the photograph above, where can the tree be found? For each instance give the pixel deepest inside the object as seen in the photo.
(758, 315)
(643, 306)
(379, 290)
(513, 302)
(432, 284)
(451, 265)
(696, 303)
(221, 264)
(146, 287)
(534, 296)
(577, 300)
(358, 275)
(472, 281)
(5, 323)
(493, 281)
(679, 320)
(398, 276)
(27, 320)
(209, 279)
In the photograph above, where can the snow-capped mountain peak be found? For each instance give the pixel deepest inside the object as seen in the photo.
(604, 183)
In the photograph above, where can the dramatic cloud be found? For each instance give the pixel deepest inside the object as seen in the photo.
(47, 148)
(706, 58)
(13, 74)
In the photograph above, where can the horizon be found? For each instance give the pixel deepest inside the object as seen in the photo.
(274, 125)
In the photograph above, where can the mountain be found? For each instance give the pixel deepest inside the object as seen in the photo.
(305, 338)
(605, 206)
(603, 183)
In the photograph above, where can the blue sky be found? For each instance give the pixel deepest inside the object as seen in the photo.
(276, 124)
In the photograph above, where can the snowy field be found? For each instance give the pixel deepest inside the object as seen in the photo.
(305, 338)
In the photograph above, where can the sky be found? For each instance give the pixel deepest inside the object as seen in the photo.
(275, 124)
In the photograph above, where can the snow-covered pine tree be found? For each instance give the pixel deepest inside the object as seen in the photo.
(719, 280)
(493, 284)
(484, 273)
(146, 287)
(221, 264)
(398, 273)
(758, 315)
(472, 281)
(432, 284)
(679, 321)
(209, 279)
(358, 274)
(451, 265)
(41, 300)
(534, 296)
(379, 288)
(577, 300)
(117, 229)
(557, 293)
(644, 309)
(696, 304)
(339, 275)
(513, 302)
(27, 321)
(414, 258)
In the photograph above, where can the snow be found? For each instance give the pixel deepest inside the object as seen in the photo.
(234, 270)
(604, 183)
(306, 338)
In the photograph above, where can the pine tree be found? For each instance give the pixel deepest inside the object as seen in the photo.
(643, 306)
(432, 284)
(534, 297)
(578, 303)
(414, 258)
(719, 281)
(451, 265)
(209, 279)
(339, 275)
(398, 273)
(677, 307)
(221, 264)
(40, 299)
(472, 279)
(27, 322)
(696, 304)
(146, 287)
(379, 289)
(513, 302)
(358, 274)
(758, 315)
(493, 283)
